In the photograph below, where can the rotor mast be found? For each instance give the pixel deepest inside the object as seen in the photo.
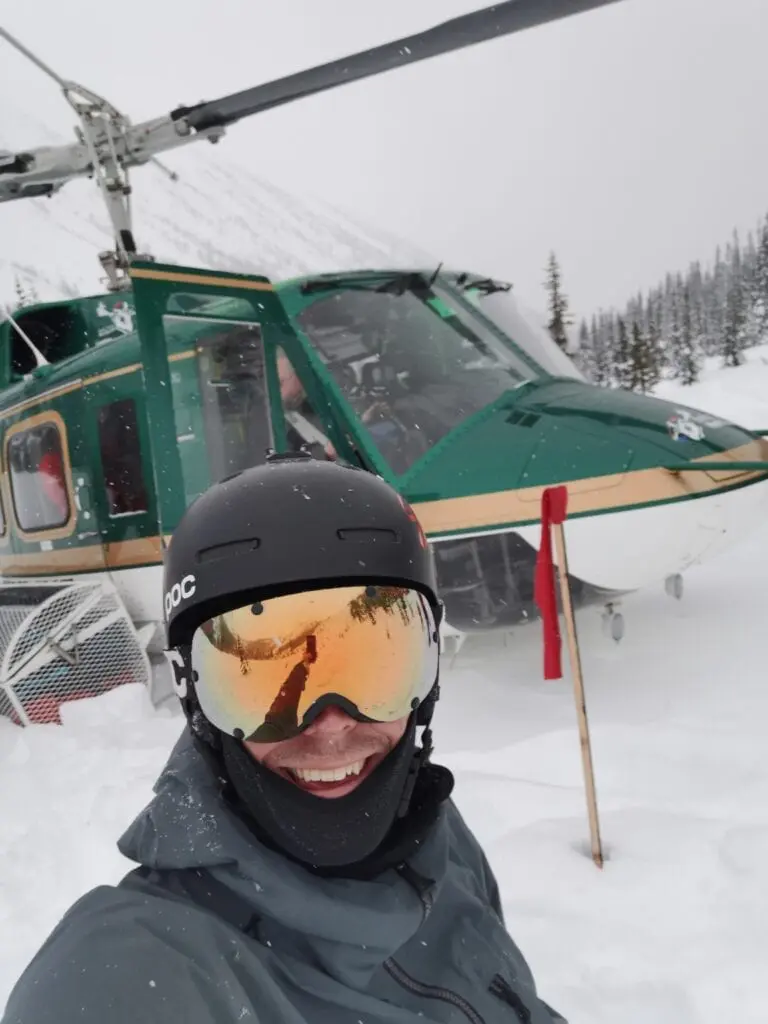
(103, 142)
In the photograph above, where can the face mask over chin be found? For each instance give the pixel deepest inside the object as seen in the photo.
(328, 835)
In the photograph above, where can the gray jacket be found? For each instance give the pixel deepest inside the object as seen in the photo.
(217, 928)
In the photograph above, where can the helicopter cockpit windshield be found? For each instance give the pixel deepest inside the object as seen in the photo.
(496, 302)
(412, 362)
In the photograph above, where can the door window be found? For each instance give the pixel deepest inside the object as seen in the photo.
(121, 462)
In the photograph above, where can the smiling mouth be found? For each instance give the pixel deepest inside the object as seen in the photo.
(328, 774)
(330, 781)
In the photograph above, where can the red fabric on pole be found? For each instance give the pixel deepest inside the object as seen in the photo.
(554, 508)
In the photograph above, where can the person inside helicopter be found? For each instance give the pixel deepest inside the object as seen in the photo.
(305, 428)
(303, 425)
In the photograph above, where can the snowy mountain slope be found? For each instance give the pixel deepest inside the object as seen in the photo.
(218, 215)
(672, 931)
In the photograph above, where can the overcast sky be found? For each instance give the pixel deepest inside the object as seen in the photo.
(629, 139)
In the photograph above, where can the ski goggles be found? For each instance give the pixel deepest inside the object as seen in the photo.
(263, 672)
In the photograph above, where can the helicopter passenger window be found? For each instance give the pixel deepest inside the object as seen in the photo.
(302, 424)
(232, 385)
(121, 464)
(38, 478)
(410, 367)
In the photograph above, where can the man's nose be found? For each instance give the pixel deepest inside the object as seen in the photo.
(331, 721)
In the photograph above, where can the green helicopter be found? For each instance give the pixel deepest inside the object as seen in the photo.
(117, 410)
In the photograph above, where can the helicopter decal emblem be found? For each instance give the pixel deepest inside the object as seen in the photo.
(683, 427)
(120, 317)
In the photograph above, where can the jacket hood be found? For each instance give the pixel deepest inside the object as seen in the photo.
(352, 926)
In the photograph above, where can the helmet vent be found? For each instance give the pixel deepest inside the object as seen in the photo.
(234, 547)
(366, 534)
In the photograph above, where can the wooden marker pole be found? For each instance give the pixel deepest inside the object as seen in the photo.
(578, 692)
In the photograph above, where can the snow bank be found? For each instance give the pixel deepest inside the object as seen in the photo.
(674, 928)
(738, 394)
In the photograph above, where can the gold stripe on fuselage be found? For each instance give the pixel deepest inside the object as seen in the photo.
(177, 277)
(66, 389)
(617, 491)
(111, 374)
(124, 554)
(502, 510)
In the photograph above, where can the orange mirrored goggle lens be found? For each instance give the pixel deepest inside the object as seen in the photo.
(261, 668)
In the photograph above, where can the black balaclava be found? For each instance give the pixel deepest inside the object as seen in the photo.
(376, 826)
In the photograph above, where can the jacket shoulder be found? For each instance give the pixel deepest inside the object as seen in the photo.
(468, 853)
(122, 955)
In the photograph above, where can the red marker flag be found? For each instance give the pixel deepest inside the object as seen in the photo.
(554, 506)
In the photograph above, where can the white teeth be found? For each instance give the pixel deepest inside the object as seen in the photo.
(328, 774)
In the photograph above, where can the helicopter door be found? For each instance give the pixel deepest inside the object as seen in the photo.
(210, 389)
(122, 492)
(215, 349)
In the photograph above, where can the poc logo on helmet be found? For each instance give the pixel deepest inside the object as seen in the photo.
(179, 592)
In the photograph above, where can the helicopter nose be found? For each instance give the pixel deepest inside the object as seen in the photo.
(630, 519)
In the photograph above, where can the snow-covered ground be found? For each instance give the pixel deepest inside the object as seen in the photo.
(738, 394)
(674, 930)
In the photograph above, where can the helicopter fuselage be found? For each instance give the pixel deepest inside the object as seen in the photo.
(150, 396)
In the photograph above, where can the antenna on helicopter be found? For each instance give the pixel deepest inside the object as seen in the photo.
(40, 359)
(108, 144)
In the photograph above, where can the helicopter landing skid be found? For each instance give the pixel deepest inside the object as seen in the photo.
(674, 587)
(451, 640)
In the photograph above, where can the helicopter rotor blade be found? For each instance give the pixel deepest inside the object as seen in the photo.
(479, 26)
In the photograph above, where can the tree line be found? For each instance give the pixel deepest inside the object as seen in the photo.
(667, 332)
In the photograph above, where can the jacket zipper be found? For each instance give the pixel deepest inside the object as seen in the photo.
(501, 988)
(396, 972)
(431, 991)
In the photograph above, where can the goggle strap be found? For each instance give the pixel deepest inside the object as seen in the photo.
(417, 761)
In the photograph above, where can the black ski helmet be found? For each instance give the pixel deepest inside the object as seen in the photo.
(292, 523)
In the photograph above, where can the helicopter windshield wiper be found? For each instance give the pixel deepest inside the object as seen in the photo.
(487, 285)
